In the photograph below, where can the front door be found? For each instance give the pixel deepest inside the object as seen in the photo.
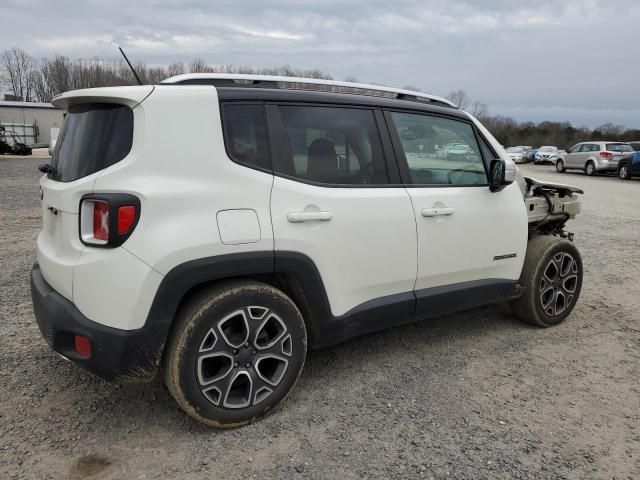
(572, 158)
(332, 201)
(468, 236)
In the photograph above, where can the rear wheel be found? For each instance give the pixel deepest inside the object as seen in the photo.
(590, 168)
(624, 172)
(560, 166)
(235, 353)
(551, 280)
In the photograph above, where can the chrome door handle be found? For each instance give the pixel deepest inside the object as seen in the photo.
(437, 211)
(299, 217)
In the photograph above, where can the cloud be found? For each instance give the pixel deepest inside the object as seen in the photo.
(516, 56)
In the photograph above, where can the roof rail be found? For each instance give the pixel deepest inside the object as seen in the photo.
(298, 83)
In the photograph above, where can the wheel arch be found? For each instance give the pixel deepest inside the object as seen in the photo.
(293, 273)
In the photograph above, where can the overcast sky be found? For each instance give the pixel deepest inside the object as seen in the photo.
(576, 60)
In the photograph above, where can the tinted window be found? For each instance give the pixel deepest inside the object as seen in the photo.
(245, 134)
(619, 147)
(487, 151)
(575, 148)
(339, 146)
(440, 151)
(93, 136)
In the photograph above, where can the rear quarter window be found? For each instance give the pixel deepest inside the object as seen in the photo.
(245, 134)
(94, 136)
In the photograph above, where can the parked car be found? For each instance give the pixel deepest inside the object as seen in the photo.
(457, 151)
(220, 270)
(527, 149)
(629, 166)
(547, 155)
(517, 154)
(594, 157)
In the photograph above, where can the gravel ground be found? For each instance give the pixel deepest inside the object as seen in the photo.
(476, 395)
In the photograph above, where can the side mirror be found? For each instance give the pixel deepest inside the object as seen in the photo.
(501, 174)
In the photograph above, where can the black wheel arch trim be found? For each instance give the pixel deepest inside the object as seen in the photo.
(140, 353)
(306, 287)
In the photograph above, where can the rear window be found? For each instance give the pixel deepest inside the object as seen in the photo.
(619, 147)
(94, 136)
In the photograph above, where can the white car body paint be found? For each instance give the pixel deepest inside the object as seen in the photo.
(370, 242)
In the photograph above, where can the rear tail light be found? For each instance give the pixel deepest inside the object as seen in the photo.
(607, 155)
(100, 221)
(108, 219)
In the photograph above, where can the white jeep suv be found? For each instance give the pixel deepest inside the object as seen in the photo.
(215, 227)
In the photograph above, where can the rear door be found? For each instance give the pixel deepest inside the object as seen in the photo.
(468, 236)
(334, 201)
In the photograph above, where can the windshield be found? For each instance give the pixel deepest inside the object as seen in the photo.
(93, 136)
(547, 149)
(619, 147)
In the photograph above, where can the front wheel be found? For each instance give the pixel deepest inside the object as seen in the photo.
(624, 172)
(235, 353)
(551, 281)
(560, 166)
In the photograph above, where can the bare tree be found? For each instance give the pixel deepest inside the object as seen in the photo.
(459, 98)
(610, 129)
(479, 110)
(17, 72)
(60, 74)
(175, 68)
(198, 65)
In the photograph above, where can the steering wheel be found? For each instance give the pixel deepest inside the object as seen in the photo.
(451, 175)
(365, 174)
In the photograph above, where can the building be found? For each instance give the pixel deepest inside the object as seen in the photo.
(32, 123)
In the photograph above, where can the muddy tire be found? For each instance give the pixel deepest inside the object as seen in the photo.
(551, 281)
(235, 352)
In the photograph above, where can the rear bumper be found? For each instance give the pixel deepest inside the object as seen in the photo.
(607, 165)
(125, 356)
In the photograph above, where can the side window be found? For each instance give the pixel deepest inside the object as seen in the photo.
(487, 152)
(440, 151)
(595, 147)
(332, 145)
(575, 148)
(245, 134)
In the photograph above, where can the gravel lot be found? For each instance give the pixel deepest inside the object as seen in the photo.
(474, 395)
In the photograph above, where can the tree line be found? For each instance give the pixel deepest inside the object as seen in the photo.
(510, 133)
(30, 80)
(34, 80)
